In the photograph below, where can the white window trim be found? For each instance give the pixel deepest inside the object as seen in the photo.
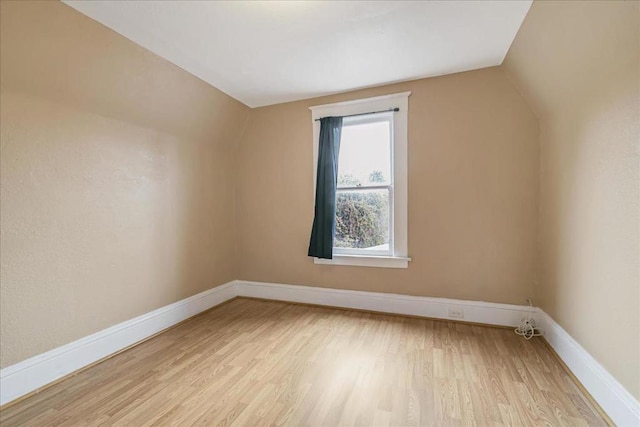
(400, 257)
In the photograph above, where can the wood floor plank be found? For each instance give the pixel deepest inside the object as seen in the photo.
(252, 362)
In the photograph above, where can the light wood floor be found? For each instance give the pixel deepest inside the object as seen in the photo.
(262, 363)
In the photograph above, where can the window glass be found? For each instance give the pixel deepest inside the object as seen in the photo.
(365, 154)
(363, 220)
(364, 197)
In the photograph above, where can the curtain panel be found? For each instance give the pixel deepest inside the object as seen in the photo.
(324, 221)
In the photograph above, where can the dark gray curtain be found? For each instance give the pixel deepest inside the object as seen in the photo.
(324, 222)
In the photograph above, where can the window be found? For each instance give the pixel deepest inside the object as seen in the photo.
(371, 198)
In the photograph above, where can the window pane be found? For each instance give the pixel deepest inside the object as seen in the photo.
(365, 155)
(362, 219)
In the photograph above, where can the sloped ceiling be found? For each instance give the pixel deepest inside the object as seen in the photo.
(268, 52)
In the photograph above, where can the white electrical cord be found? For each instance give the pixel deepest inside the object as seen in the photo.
(527, 326)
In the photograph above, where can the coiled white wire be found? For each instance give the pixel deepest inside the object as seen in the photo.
(527, 326)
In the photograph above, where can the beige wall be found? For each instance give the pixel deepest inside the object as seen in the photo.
(578, 64)
(473, 193)
(117, 180)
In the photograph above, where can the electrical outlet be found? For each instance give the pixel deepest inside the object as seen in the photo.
(456, 312)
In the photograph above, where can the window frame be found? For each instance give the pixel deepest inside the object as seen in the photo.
(398, 256)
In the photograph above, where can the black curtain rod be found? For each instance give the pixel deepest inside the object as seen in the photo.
(366, 114)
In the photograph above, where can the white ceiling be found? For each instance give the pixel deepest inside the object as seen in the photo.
(268, 52)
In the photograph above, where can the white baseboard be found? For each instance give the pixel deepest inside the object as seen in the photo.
(38, 371)
(473, 311)
(613, 398)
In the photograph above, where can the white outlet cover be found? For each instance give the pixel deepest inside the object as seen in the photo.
(456, 312)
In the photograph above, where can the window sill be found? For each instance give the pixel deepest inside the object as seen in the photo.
(366, 261)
